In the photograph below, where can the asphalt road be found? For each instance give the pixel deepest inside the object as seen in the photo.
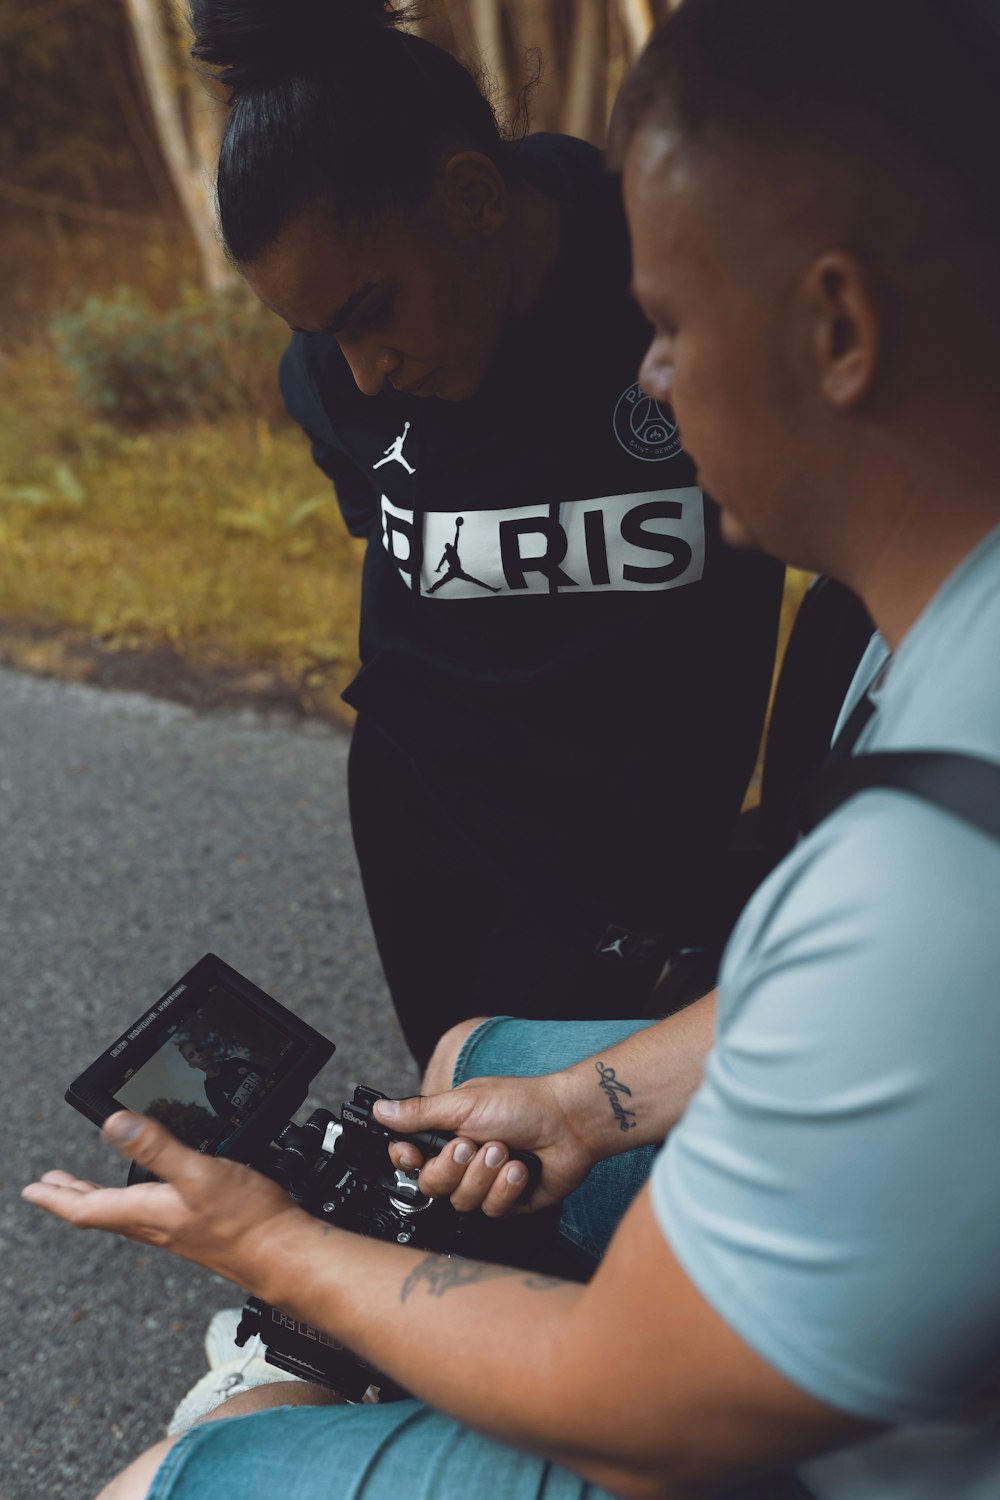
(136, 836)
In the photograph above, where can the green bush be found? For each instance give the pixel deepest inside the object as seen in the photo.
(208, 356)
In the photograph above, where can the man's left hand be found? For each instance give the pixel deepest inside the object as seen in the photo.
(217, 1213)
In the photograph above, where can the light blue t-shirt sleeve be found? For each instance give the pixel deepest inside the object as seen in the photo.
(833, 1189)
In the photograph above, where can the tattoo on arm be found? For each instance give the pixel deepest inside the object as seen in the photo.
(612, 1085)
(442, 1273)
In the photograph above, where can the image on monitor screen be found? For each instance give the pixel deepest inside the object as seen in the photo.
(212, 1073)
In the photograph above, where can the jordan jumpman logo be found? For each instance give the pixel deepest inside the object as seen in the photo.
(455, 570)
(394, 452)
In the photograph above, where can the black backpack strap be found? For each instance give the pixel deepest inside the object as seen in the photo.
(966, 786)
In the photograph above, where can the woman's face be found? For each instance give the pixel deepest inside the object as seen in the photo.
(419, 302)
(197, 1056)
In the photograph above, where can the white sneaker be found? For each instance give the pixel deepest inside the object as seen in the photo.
(232, 1370)
(220, 1337)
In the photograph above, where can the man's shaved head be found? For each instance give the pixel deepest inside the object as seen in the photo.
(889, 109)
(815, 218)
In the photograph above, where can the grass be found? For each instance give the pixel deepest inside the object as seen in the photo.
(221, 541)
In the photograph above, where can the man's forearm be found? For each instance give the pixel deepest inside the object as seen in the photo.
(630, 1380)
(489, 1346)
(486, 1344)
(634, 1093)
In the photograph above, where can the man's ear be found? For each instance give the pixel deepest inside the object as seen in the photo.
(473, 195)
(846, 314)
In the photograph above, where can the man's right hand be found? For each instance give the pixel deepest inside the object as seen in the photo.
(625, 1096)
(490, 1117)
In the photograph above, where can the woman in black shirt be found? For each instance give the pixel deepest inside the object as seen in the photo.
(564, 673)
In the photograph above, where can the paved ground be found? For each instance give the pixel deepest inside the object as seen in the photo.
(135, 836)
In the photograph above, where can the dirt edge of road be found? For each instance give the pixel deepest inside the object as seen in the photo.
(160, 672)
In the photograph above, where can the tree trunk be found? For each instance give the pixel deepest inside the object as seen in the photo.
(535, 41)
(487, 25)
(585, 48)
(170, 87)
(638, 18)
(583, 101)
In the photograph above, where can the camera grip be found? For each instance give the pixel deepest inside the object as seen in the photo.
(434, 1141)
(359, 1112)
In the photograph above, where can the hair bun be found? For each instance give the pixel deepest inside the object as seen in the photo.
(253, 42)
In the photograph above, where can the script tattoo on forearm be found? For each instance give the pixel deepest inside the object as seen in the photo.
(439, 1274)
(614, 1088)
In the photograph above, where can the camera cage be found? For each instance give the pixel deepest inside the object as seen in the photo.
(337, 1169)
(212, 985)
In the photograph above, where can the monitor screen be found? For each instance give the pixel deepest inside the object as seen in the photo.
(211, 1072)
(216, 1060)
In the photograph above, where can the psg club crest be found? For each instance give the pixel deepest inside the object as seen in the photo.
(644, 428)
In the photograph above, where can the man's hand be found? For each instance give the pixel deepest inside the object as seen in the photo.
(490, 1117)
(214, 1212)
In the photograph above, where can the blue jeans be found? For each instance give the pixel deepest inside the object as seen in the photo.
(404, 1448)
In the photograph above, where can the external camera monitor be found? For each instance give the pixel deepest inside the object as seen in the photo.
(216, 1060)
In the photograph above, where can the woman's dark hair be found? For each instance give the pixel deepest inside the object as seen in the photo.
(330, 103)
(907, 91)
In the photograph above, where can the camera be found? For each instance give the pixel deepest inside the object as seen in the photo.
(225, 1067)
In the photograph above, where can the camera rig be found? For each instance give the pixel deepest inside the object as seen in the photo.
(257, 1060)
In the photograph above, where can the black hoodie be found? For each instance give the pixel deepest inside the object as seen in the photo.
(545, 594)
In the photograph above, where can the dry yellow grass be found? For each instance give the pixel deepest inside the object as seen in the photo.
(221, 541)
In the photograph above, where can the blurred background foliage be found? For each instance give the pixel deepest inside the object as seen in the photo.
(153, 497)
(210, 355)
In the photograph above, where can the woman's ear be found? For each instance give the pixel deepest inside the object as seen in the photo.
(474, 195)
(845, 311)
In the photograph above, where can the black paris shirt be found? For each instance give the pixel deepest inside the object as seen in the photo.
(545, 593)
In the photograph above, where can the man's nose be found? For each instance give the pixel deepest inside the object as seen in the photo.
(371, 367)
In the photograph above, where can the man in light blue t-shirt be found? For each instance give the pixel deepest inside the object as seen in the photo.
(832, 1187)
(800, 1293)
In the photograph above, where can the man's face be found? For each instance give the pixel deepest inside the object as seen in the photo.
(410, 302)
(716, 292)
